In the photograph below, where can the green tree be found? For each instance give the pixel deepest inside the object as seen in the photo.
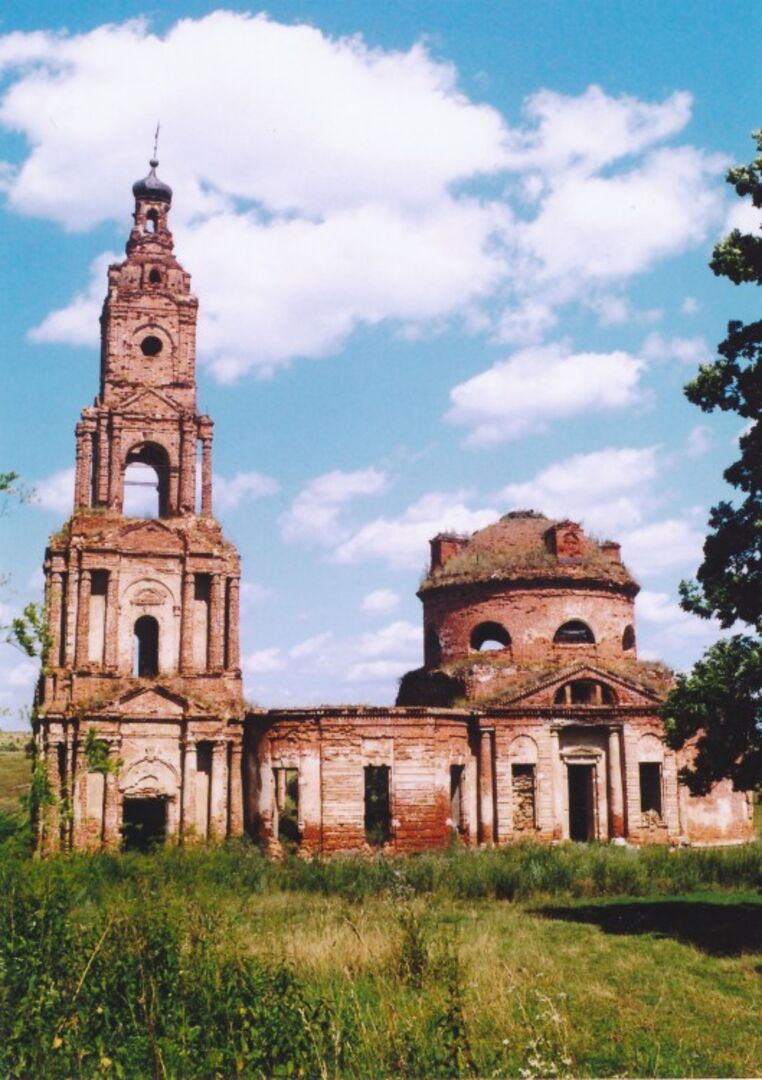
(719, 704)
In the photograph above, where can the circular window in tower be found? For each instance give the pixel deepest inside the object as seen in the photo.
(151, 345)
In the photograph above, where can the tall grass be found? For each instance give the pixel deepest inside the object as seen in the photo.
(190, 963)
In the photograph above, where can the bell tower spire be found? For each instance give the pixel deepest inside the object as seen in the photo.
(146, 409)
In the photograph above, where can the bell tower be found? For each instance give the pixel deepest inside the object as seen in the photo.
(142, 589)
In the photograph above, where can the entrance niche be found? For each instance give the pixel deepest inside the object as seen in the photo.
(581, 802)
(146, 665)
(144, 823)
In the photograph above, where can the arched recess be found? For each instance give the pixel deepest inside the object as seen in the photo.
(585, 692)
(489, 637)
(523, 750)
(146, 481)
(146, 662)
(574, 632)
(628, 639)
(147, 778)
(432, 647)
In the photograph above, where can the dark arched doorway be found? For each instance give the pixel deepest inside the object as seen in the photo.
(146, 647)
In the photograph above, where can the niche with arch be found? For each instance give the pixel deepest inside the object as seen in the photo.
(146, 481)
(574, 632)
(628, 639)
(146, 658)
(523, 756)
(489, 637)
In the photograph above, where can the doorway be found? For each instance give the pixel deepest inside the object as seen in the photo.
(581, 802)
(144, 823)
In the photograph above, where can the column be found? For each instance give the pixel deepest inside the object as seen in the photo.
(186, 623)
(486, 788)
(55, 598)
(218, 816)
(112, 818)
(236, 790)
(188, 821)
(51, 814)
(115, 472)
(70, 625)
(216, 642)
(188, 466)
(557, 767)
(101, 476)
(111, 651)
(84, 469)
(206, 472)
(616, 789)
(233, 659)
(82, 647)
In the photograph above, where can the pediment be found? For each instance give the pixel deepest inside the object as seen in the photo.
(154, 702)
(541, 693)
(149, 402)
(145, 535)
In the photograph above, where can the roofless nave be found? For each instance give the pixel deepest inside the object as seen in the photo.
(530, 718)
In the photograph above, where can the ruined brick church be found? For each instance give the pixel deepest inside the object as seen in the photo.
(531, 717)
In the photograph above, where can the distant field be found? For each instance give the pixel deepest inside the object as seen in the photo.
(14, 769)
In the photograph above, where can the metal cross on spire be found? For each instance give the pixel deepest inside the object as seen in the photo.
(156, 140)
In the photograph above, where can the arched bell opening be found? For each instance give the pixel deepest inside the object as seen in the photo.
(146, 661)
(146, 482)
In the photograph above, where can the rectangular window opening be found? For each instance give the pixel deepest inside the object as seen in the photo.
(378, 820)
(287, 804)
(650, 787)
(456, 797)
(523, 786)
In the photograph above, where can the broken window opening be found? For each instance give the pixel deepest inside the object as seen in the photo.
(155, 276)
(146, 647)
(650, 788)
(584, 692)
(574, 632)
(378, 821)
(457, 817)
(523, 787)
(287, 804)
(489, 636)
(628, 638)
(152, 221)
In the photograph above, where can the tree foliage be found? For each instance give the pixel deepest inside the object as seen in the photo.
(720, 702)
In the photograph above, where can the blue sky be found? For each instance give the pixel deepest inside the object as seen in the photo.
(451, 260)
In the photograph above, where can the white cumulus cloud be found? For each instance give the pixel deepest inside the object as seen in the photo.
(314, 516)
(540, 384)
(380, 601)
(403, 541)
(351, 194)
(606, 490)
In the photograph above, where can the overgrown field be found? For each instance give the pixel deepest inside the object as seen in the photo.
(15, 769)
(573, 961)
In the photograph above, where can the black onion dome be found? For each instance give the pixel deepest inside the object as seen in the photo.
(152, 187)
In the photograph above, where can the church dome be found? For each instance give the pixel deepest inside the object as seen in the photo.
(151, 187)
(527, 547)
